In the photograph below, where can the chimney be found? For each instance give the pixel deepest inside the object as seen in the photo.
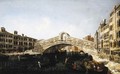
(104, 21)
(3, 29)
(22, 34)
(15, 32)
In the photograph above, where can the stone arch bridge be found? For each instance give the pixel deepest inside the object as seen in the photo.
(63, 38)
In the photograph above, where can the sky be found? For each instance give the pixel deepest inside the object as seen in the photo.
(44, 19)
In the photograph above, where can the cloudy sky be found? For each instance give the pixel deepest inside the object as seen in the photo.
(43, 19)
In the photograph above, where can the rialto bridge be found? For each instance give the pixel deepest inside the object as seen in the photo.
(61, 41)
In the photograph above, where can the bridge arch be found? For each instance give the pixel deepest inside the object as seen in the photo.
(56, 47)
(72, 43)
(62, 47)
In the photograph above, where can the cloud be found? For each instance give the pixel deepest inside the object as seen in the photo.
(42, 19)
(46, 27)
(31, 27)
(44, 24)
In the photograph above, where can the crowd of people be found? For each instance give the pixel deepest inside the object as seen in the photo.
(74, 61)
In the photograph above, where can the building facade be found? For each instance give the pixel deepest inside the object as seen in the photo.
(89, 38)
(102, 36)
(13, 42)
(107, 36)
(114, 24)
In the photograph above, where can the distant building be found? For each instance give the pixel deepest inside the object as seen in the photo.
(107, 36)
(89, 38)
(13, 42)
(102, 36)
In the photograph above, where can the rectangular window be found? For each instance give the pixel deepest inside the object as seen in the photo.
(114, 44)
(118, 23)
(111, 44)
(119, 34)
(119, 43)
(118, 13)
(111, 27)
